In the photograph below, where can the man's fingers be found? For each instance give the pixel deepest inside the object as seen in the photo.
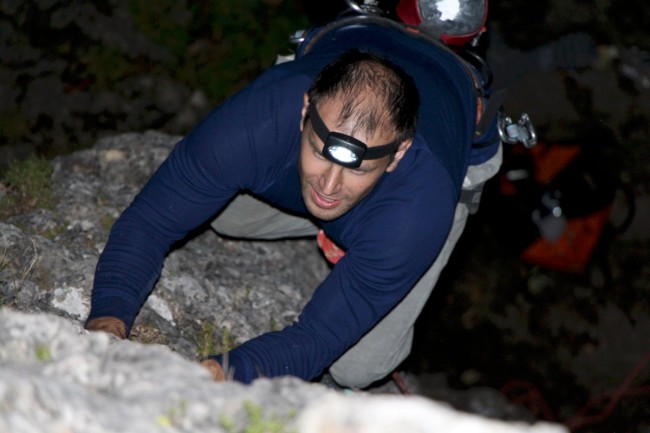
(215, 369)
(111, 325)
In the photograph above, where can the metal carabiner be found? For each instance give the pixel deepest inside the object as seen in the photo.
(369, 7)
(521, 132)
(298, 37)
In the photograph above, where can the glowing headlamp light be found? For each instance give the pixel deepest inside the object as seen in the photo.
(344, 149)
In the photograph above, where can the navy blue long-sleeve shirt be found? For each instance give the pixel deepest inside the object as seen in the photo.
(251, 143)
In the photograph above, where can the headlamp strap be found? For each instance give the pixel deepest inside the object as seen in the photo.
(323, 133)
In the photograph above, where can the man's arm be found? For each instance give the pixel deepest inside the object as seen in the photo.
(231, 150)
(179, 197)
(386, 255)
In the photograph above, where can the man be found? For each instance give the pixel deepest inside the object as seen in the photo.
(328, 141)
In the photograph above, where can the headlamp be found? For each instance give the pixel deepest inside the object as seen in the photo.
(344, 149)
(455, 22)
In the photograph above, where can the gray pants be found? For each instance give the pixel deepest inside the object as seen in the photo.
(386, 345)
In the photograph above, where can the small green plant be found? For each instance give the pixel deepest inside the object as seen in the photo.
(205, 345)
(43, 353)
(4, 259)
(107, 221)
(256, 423)
(227, 423)
(273, 325)
(173, 415)
(227, 341)
(28, 186)
(209, 343)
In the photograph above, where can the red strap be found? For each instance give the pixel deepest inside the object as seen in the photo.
(332, 251)
(409, 12)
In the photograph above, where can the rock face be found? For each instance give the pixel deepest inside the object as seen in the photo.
(57, 377)
(212, 294)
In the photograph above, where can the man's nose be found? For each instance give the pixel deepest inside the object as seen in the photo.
(332, 179)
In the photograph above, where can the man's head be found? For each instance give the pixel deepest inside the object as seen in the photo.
(362, 101)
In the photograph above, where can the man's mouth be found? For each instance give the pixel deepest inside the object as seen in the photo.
(323, 201)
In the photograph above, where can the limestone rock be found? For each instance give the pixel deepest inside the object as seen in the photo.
(57, 377)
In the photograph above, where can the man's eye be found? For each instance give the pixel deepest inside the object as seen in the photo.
(359, 172)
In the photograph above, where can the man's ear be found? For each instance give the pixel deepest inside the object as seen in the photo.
(303, 113)
(399, 154)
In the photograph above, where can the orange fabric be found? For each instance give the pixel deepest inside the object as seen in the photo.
(572, 251)
(551, 160)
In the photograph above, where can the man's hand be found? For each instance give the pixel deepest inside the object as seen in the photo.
(112, 325)
(215, 369)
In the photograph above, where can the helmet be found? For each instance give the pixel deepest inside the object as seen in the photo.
(455, 22)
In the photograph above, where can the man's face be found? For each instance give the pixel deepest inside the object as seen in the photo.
(329, 189)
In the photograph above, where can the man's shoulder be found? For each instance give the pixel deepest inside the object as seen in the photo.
(409, 202)
(423, 172)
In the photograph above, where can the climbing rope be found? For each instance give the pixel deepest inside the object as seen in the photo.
(526, 394)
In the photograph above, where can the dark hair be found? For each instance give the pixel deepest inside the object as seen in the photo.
(372, 89)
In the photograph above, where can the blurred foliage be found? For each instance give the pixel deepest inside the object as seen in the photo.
(12, 124)
(257, 421)
(218, 46)
(107, 65)
(213, 47)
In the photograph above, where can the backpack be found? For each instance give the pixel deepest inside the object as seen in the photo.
(551, 204)
(460, 36)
